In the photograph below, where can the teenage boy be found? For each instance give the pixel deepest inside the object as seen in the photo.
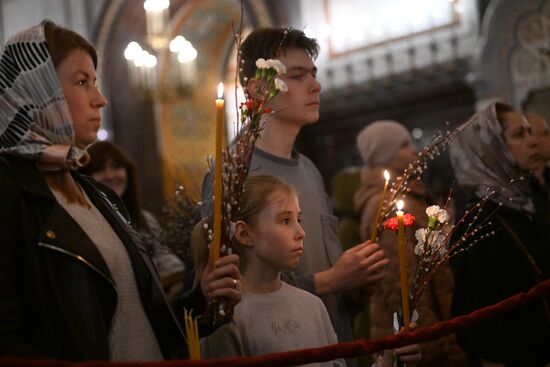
(340, 279)
(324, 269)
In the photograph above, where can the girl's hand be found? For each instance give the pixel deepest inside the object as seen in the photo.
(222, 281)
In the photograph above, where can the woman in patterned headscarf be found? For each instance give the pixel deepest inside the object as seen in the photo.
(495, 147)
(75, 282)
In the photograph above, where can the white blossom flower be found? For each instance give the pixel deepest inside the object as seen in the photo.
(261, 63)
(277, 65)
(280, 85)
(420, 235)
(440, 214)
(396, 326)
(442, 217)
(427, 239)
(436, 239)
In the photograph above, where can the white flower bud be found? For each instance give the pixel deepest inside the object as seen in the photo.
(420, 235)
(277, 65)
(280, 85)
(261, 64)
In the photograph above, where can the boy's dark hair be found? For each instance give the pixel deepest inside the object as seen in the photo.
(267, 43)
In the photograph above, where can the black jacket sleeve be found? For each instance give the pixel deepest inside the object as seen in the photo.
(12, 309)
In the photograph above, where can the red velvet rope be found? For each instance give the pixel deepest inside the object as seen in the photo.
(327, 353)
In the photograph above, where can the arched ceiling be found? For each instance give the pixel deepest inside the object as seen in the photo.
(149, 131)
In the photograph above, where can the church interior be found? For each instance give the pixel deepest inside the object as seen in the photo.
(428, 65)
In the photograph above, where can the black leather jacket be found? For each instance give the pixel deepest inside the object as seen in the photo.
(57, 296)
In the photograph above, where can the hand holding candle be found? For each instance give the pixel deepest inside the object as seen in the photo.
(216, 244)
(402, 243)
(374, 232)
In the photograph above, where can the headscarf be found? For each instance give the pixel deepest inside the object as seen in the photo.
(482, 162)
(379, 141)
(35, 121)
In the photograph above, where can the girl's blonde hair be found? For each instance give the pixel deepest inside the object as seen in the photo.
(257, 191)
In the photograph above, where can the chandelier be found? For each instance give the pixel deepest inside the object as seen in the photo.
(143, 61)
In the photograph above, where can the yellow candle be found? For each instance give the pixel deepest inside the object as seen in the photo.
(403, 265)
(192, 334)
(188, 332)
(374, 231)
(197, 354)
(215, 250)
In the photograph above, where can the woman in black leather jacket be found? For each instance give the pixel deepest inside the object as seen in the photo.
(75, 282)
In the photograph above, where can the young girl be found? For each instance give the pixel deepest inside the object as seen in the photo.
(272, 316)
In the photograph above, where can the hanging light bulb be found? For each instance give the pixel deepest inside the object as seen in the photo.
(143, 64)
(132, 50)
(188, 66)
(187, 53)
(157, 18)
(176, 45)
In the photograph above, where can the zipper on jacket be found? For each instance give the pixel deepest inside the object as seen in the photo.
(81, 259)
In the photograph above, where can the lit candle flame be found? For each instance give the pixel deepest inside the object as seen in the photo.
(400, 205)
(386, 175)
(220, 91)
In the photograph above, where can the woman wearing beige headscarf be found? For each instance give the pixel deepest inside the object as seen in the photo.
(388, 145)
(495, 147)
